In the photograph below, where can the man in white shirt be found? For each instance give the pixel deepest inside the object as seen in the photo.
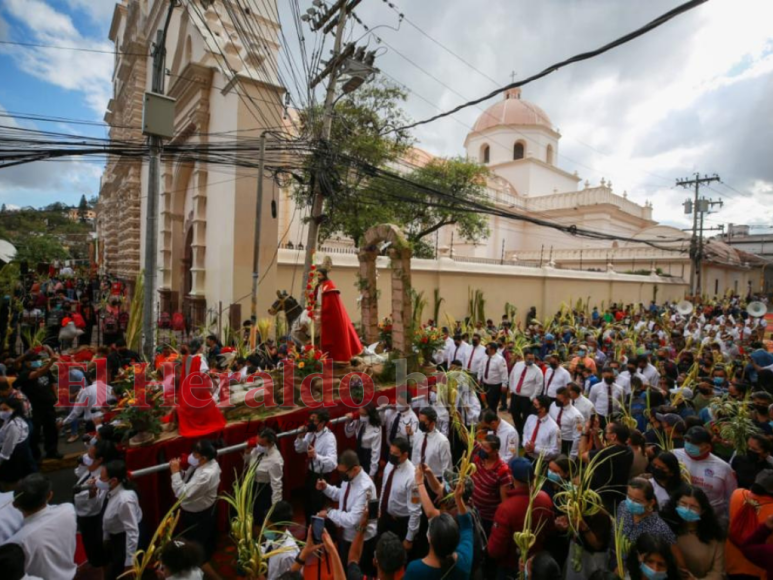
(281, 541)
(400, 506)
(526, 382)
(508, 436)
(476, 355)
(492, 375)
(624, 378)
(430, 446)
(97, 395)
(606, 396)
(400, 420)
(459, 350)
(581, 402)
(321, 450)
(439, 356)
(467, 401)
(648, 370)
(541, 434)
(556, 377)
(707, 471)
(47, 535)
(569, 421)
(11, 519)
(356, 491)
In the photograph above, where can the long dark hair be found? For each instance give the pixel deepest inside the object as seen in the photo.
(444, 538)
(648, 544)
(17, 407)
(708, 528)
(373, 417)
(674, 481)
(117, 469)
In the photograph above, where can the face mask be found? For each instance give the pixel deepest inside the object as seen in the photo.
(651, 574)
(345, 476)
(581, 353)
(687, 514)
(483, 454)
(559, 404)
(658, 473)
(554, 477)
(609, 380)
(762, 409)
(103, 485)
(394, 459)
(752, 455)
(692, 449)
(271, 535)
(631, 371)
(529, 363)
(193, 461)
(423, 427)
(400, 408)
(5, 415)
(719, 381)
(36, 364)
(311, 427)
(87, 461)
(634, 508)
(554, 365)
(475, 342)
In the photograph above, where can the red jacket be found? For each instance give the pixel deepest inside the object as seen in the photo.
(509, 519)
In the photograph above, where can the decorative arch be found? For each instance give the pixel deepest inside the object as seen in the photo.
(399, 252)
(519, 150)
(485, 154)
(549, 155)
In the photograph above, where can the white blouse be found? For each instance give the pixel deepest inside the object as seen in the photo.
(123, 514)
(371, 439)
(12, 433)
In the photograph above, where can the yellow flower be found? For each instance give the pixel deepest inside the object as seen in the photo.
(301, 364)
(131, 401)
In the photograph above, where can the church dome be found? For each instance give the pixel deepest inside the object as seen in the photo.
(512, 111)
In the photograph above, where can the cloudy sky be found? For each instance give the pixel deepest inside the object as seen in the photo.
(694, 95)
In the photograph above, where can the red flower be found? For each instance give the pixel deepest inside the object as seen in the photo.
(424, 340)
(317, 355)
(312, 267)
(308, 347)
(308, 286)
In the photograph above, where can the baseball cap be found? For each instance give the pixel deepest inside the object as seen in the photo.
(687, 393)
(697, 435)
(521, 469)
(669, 419)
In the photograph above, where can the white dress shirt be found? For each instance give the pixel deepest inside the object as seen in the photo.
(584, 405)
(123, 514)
(496, 373)
(624, 380)
(47, 538)
(555, 379)
(651, 374)
(87, 400)
(12, 433)
(570, 419)
(599, 396)
(371, 439)
(440, 354)
(533, 381)
(326, 447)
(548, 438)
(281, 562)
(459, 353)
(350, 508)
(11, 519)
(86, 506)
(467, 401)
(270, 470)
(476, 355)
(403, 500)
(198, 485)
(406, 417)
(508, 441)
(437, 453)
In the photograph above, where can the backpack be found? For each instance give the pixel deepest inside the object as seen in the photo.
(745, 521)
(77, 318)
(123, 320)
(110, 324)
(178, 322)
(164, 320)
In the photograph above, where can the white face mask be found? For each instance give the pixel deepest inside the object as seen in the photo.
(5, 415)
(87, 461)
(193, 461)
(103, 485)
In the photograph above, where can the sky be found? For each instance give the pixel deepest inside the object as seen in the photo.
(691, 96)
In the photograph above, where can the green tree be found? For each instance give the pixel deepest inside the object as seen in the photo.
(39, 249)
(83, 208)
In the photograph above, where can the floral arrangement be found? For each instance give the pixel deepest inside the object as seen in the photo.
(311, 290)
(308, 361)
(385, 332)
(141, 418)
(427, 340)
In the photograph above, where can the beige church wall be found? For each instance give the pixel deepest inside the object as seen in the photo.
(524, 287)
(721, 279)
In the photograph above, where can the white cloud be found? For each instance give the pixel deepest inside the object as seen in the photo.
(100, 11)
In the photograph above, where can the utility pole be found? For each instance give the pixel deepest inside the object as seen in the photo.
(335, 16)
(258, 222)
(695, 252)
(156, 111)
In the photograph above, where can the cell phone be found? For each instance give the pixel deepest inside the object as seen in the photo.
(317, 527)
(373, 509)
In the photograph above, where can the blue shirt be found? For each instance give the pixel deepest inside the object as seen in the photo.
(462, 570)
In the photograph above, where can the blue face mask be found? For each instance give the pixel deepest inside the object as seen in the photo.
(634, 508)
(581, 353)
(692, 449)
(651, 574)
(36, 364)
(554, 477)
(687, 514)
(483, 454)
(719, 381)
(270, 535)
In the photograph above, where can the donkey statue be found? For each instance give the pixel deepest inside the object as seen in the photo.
(298, 322)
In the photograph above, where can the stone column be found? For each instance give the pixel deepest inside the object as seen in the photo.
(369, 302)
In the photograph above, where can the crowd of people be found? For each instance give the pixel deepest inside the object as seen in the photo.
(629, 442)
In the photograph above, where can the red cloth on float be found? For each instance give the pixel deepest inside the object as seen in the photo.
(195, 417)
(338, 338)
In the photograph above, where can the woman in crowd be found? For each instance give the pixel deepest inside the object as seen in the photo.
(698, 533)
(666, 476)
(651, 559)
(121, 518)
(365, 426)
(197, 488)
(638, 445)
(16, 459)
(181, 559)
(268, 475)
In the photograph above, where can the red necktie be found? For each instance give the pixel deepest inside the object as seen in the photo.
(609, 396)
(424, 448)
(346, 495)
(469, 362)
(456, 352)
(551, 380)
(488, 362)
(520, 381)
(536, 431)
(558, 420)
(395, 427)
(387, 490)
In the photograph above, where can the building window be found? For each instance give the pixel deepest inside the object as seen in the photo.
(518, 150)
(549, 156)
(716, 286)
(485, 154)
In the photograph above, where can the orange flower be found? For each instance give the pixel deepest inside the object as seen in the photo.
(301, 364)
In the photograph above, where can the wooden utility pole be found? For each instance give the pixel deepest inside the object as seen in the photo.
(696, 242)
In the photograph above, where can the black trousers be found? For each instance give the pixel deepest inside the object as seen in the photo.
(200, 527)
(90, 528)
(566, 447)
(493, 393)
(520, 408)
(314, 500)
(116, 548)
(398, 526)
(44, 420)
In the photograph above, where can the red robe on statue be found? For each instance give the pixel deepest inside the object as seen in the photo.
(337, 336)
(197, 412)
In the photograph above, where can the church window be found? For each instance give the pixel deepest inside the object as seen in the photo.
(518, 150)
(549, 156)
(485, 154)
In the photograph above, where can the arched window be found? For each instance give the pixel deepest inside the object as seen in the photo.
(518, 150)
(485, 154)
(549, 156)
